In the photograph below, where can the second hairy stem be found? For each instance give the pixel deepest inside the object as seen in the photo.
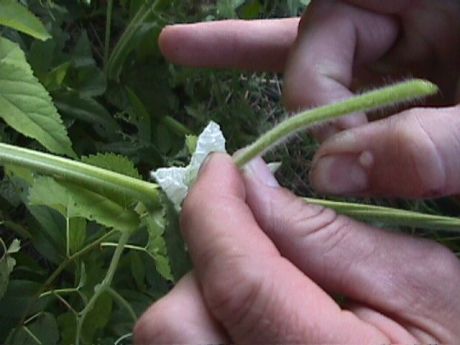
(372, 100)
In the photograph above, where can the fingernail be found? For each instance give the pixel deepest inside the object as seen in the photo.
(205, 163)
(260, 171)
(342, 174)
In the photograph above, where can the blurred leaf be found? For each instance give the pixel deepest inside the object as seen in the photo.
(88, 110)
(18, 17)
(43, 329)
(177, 252)
(26, 105)
(77, 234)
(137, 270)
(7, 263)
(19, 295)
(98, 317)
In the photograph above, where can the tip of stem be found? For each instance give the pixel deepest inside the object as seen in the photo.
(425, 87)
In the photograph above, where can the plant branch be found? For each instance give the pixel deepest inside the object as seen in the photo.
(85, 175)
(390, 216)
(104, 285)
(124, 303)
(379, 98)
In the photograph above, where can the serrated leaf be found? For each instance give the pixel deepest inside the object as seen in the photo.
(18, 17)
(25, 105)
(74, 201)
(113, 162)
(156, 245)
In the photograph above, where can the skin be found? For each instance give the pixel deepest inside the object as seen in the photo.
(266, 264)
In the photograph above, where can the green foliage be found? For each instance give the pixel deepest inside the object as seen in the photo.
(99, 244)
(25, 104)
(18, 17)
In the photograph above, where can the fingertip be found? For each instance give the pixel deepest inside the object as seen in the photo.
(169, 42)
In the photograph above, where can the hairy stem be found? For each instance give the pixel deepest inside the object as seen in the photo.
(390, 216)
(103, 286)
(368, 101)
(80, 173)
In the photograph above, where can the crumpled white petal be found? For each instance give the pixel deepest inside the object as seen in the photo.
(176, 181)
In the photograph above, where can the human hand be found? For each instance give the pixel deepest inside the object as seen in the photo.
(266, 264)
(342, 45)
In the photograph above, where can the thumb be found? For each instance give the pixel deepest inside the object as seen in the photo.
(371, 266)
(412, 154)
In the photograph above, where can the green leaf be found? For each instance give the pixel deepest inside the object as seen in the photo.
(19, 296)
(7, 264)
(73, 201)
(177, 251)
(98, 317)
(44, 329)
(18, 17)
(77, 234)
(113, 162)
(88, 110)
(26, 105)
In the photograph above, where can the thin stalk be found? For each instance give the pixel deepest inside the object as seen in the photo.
(372, 100)
(58, 292)
(390, 216)
(108, 30)
(80, 173)
(63, 266)
(124, 303)
(104, 285)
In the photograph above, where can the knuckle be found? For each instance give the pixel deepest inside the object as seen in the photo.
(420, 151)
(231, 295)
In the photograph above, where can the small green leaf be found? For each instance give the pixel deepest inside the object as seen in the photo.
(18, 17)
(25, 105)
(7, 263)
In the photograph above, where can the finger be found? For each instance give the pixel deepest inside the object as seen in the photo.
(257, 295)
(179, 318)
(394, 274)
(257, 45)
(334, 40)
(413, 154)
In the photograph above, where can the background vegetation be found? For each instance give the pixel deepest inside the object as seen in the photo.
(125, 109)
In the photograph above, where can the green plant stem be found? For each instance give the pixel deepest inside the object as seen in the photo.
(62, 267)
(85, 175)
(124, 303)
(115, 61)
(58, 291)
(108, 30)
(104, 285)
(379, 98)
(390, 216)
